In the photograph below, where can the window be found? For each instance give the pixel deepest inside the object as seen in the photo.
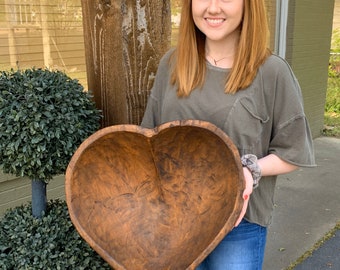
(42, 33)
(271, 6)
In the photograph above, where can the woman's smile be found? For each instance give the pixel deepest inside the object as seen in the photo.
(218, 20)
(214, 21)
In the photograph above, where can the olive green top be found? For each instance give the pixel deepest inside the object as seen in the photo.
(267, 117)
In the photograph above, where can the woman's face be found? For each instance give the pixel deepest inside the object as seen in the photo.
(219, 20)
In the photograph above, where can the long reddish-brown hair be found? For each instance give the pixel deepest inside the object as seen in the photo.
(188, 60)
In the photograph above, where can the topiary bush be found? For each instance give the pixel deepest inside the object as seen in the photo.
(44, 117)
(47, 243)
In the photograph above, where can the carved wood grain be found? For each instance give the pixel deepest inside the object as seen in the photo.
(124, 41)
(155, 199)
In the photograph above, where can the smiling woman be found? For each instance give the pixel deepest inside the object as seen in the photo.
(271, 6)
(220, 22)
(222, 72)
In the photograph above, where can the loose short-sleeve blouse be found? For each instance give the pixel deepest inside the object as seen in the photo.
(267, 117)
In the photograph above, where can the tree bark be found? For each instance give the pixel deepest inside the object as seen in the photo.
(124, 41)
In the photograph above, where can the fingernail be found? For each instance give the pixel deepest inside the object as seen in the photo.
(245, 197)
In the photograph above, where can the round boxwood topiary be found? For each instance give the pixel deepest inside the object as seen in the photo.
(47, 243)
(44, 117)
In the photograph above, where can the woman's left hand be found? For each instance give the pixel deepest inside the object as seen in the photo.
(270, 165)
(246, 193)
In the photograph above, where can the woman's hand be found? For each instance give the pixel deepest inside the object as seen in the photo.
(270, 165)
(246, 193)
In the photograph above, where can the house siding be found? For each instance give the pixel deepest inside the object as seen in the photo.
(308, 46)
(15, 191)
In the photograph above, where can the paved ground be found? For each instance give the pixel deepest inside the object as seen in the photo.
(327, 257)
(307, 207)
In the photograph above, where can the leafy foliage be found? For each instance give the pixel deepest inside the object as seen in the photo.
(48, 243)
(332, 105)
(332, 109)
(336, 41)
(333, 96)
(334, 60)
(44, 117)
(333, 90)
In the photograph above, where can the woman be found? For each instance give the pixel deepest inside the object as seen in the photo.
(222, 72)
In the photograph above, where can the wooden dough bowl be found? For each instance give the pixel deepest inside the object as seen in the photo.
(155, 198)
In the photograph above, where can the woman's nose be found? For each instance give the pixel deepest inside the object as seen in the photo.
(214, 6)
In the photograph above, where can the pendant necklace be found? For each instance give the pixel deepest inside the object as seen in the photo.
(216, 61)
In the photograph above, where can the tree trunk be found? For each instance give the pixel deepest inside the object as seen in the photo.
(124, 41)
(39, 198)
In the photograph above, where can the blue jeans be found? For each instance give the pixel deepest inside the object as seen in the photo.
(242, 249)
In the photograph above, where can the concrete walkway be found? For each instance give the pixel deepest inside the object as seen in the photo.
(307, 207)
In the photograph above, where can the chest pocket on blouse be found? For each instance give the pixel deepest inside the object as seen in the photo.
(246, 123)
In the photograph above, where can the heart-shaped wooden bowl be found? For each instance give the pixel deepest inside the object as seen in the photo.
(155, 198)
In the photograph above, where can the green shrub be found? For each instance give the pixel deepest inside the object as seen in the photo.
(44, 117)
(48, 243)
